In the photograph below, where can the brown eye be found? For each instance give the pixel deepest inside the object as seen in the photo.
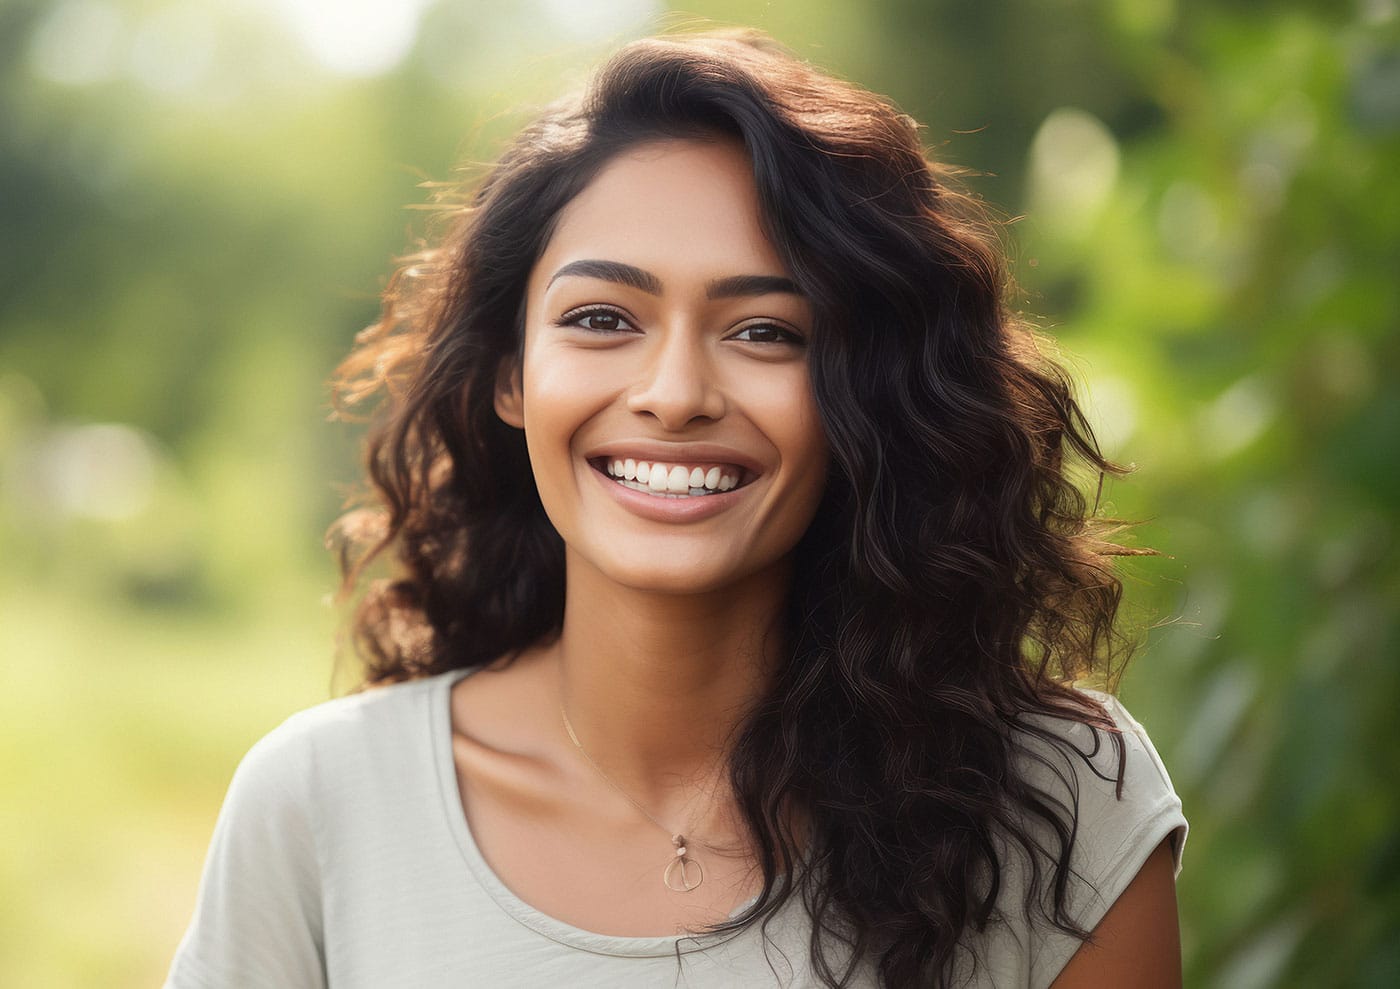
(600, 321)
(597, 319)
(768, 333)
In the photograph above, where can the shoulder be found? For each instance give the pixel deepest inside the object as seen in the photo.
(373, 718)
(338, 748)
(1077, 764)
(1147, 807)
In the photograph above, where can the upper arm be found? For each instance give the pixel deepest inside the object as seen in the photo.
(1138, 941)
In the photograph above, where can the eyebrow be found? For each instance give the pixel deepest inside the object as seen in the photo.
(744, 285)
(734, 286)
(611, 271)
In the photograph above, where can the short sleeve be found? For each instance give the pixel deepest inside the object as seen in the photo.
(1116, 832)
(257, 921)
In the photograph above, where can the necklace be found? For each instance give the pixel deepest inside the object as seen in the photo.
(682, 873)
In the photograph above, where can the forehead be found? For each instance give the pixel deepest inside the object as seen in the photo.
(674, 207)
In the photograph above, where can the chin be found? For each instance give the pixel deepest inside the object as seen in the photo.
(671, 579)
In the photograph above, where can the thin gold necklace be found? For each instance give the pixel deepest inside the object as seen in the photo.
(683, 873)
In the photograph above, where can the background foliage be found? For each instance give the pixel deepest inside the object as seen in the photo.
(199, 203)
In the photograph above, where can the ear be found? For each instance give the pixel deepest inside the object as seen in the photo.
(510, 394)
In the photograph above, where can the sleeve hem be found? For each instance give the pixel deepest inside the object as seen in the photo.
(1165, 822)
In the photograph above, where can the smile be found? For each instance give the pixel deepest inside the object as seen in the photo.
(671, 480)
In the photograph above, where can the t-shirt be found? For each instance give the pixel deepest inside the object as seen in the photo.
(342, 858)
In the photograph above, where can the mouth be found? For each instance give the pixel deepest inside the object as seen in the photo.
(673, 480)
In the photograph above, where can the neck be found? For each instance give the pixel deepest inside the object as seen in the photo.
(655, 685)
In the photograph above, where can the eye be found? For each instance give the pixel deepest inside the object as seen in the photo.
(768, 333)
(598, 319)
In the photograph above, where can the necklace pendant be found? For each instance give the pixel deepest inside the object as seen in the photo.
(683, 873)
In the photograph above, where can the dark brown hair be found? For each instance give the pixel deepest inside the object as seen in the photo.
(954, 580)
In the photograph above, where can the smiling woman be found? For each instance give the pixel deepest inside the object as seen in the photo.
(741, 590)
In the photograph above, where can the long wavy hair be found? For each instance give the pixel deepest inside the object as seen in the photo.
(954, 582)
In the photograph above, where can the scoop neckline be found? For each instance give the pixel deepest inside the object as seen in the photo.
(439, 729)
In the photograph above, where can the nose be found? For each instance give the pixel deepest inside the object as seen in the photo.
(678, 384)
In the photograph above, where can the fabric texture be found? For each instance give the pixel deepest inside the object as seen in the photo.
(342, 858)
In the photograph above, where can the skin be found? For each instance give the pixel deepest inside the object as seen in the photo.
(670, 628)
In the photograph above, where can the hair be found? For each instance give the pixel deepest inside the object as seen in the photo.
(954, 583)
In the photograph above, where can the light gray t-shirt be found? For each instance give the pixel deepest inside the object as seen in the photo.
(342, 858)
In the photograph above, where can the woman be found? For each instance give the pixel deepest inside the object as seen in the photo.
(740, 588)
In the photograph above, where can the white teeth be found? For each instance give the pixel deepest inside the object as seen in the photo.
(675, 481)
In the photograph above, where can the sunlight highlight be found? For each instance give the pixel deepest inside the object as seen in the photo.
(354, 37)
(1073, 169)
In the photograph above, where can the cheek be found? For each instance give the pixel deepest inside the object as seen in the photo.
(567, 376)
(810, 451)
(561, 394)
(785, 409)
(789, 409)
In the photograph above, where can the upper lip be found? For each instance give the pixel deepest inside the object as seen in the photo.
(674, 453)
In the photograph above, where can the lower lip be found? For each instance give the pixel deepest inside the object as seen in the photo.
(691, 509)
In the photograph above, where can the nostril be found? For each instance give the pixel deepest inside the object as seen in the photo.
(678, 401)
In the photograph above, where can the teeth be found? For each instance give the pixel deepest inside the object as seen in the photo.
(670, 481)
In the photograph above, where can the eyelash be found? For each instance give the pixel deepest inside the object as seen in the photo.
(786, 335)
(576, 317)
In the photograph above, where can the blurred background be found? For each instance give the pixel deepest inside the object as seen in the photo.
(199, 202)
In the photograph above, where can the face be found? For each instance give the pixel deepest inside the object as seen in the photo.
(664, 391)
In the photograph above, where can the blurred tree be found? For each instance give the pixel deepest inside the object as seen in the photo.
(1240, 278)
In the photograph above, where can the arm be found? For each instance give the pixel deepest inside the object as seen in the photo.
(1138, 942)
